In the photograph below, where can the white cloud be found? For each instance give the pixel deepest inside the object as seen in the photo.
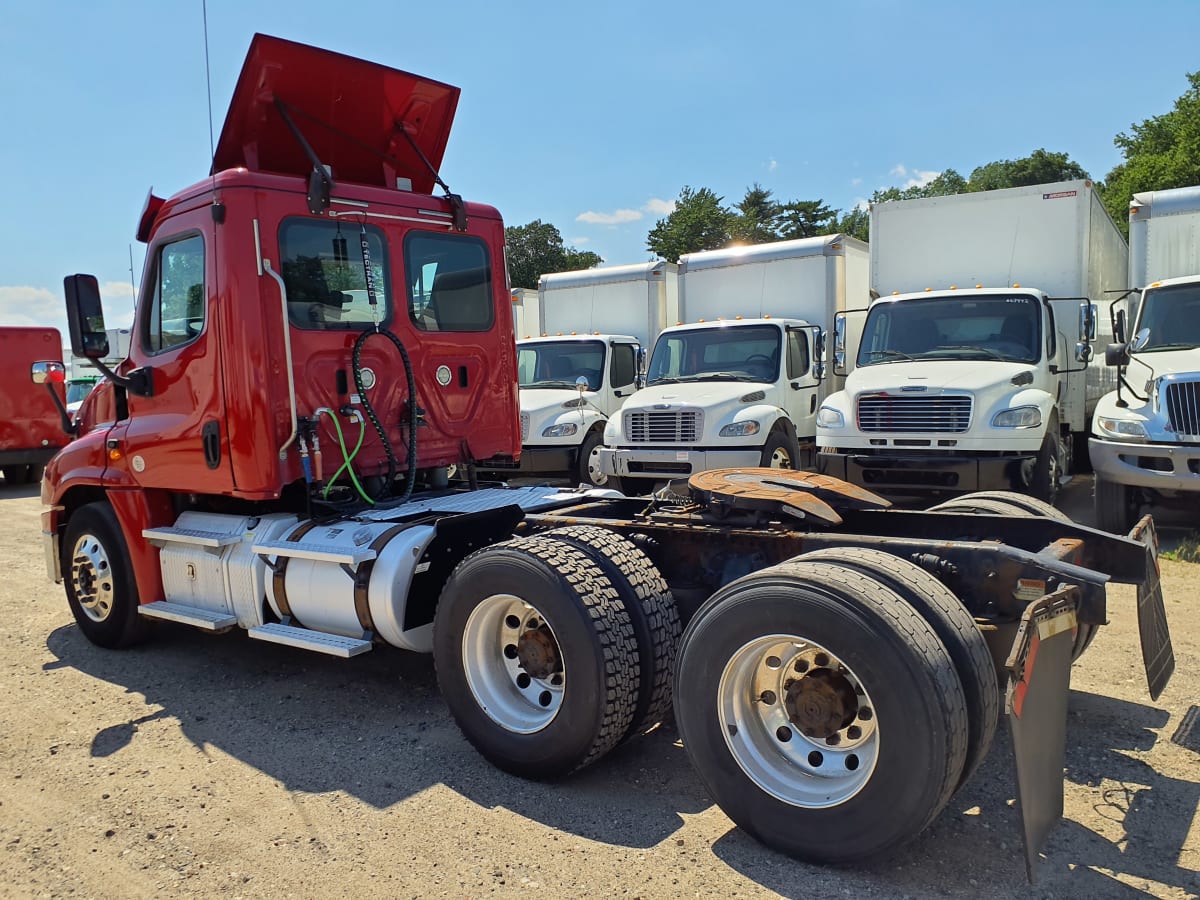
(657, 207)
(617, 217)
(578, 241)
(772, 165)
(855, 182)
(916, 177)
(26, 305)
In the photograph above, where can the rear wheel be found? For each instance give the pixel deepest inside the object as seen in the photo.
(651, 608)
(779, 451)
(1114, 506)
(589, 460)
(536, 657)
(14, 475)
(101, 590)
(821, 711)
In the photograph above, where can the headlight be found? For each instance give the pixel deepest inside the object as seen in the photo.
(1021, 417)
(1121, 428)
(828, 417)
(739, 429)
(560, 430)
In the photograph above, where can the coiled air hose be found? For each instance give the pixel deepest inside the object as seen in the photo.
(379, 429)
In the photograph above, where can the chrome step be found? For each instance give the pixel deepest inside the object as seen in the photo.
(214, 540)
(314, 551)
(306, 639)
(207, 619)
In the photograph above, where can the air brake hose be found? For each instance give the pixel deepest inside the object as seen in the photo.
(379, 429)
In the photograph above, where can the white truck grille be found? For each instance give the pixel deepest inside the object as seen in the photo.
(664, 427)
(1183, 407)
(524, 427)
(914, 414)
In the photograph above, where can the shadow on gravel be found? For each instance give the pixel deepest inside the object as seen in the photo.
(374, 727)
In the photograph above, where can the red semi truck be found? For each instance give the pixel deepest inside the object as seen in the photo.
(319, 336)
(30, 428)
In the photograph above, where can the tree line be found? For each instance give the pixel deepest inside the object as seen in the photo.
(1161, 152)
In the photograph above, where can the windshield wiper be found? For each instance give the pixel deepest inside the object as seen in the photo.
(721, 376)
(665, 379)
(1167, 347)
(891, 354)
(988, 350)
(549, 384)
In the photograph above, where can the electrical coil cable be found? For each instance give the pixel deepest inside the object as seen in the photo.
(379, 429)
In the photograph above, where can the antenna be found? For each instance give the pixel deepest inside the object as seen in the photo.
(132, 282)
(212, 153)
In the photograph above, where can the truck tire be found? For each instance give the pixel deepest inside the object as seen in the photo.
(98, 575)
(651, 608)
(845, 762)
(34, 473)
(955, 628)
(13, 475)
(1114, 506)
(1043, 480)
(589, 460)
(517, 622)
(1010, 503)
(781, 451)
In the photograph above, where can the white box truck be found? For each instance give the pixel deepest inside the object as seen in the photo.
(972, 372)
(525, 312)
(739, 383)
(1145, 444)
(584, 360)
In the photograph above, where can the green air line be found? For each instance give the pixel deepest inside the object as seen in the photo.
(347, 458)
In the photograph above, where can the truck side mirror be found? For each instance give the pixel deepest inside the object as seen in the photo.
(581, 384)
(1116, 355)
(818, 368)
(50, 371)
(839, 344)
(1119, 326)
(1083, 352)
(1087, 322)
(85, 317)
(639, 380)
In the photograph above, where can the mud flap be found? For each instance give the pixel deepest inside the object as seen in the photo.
(1039, 680)
(1157, 654)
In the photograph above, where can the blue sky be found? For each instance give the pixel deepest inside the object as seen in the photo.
(591, 117)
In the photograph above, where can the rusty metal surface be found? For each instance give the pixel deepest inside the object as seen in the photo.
(802, 495)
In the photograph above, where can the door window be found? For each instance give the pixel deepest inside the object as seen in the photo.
(177, 310)
(624, 365)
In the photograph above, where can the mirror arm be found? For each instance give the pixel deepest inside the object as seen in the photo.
(139, 381)
(68, 425)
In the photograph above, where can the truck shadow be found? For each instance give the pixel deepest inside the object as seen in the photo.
(976, 842)
(374, 727)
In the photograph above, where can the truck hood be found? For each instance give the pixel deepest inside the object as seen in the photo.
(935, 375)
(707, 394)
(540, 400)
(352, 112)
(1166, 362)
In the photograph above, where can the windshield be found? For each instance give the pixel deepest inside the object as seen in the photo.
(1172, 314)
(998, 326)
(740, 353)
(77, 390)
(556, 364)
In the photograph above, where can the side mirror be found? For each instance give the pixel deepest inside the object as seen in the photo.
(48, 372)
(85, 317)
(581, 384)
(1119, 326)
(1116, 355)
(639, 379)
(1087, 322)
(1140, 340)
(1083, 352)
(818, 368)
(839, 333)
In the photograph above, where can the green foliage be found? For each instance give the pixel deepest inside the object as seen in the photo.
(698, 222)
(806, 218)
(1162, 152)
(757, 218)
(947, 182)
(855, 222)
(1187, 551)
(1040, 167)
(537, 248)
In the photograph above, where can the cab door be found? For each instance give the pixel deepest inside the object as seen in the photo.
(800, 387)
(175, 438)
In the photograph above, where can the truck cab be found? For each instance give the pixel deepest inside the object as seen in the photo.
(729, 393)
(569, 387)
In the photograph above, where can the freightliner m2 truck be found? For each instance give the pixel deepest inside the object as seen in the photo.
(584, 359)
(318, 336)
(1145, 444)
(738, 381)
(973, 369)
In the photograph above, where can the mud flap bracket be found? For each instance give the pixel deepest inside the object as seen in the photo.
(1039, 680)
(1158, 655)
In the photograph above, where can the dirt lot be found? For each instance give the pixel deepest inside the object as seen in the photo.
(201, 765)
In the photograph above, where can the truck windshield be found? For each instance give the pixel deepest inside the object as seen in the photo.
(725, 353)
(556, 364)
(77, 390)
(1172, 314)
(998, 326)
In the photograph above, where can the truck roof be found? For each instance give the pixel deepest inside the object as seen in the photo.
(591, 336)
(353, 113)
(970, 290)
(1165, 203)
(823, 245)
(735, 320)
(606, 275)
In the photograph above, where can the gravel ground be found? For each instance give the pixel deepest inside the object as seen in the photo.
(213, 765)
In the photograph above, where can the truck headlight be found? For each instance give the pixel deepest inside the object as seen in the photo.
(1121, 428)
(1021, 417)
(560, 430)
(828, 417)
(739, 429)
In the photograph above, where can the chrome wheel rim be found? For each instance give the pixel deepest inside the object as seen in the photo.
(781, 459)
(797, 721)
(595, 474)
(92, 577)
(513, 664)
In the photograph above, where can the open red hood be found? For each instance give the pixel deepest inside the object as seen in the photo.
(350, 111)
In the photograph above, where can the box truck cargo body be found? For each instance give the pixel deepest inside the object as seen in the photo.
(1145, 444)
(738, 382)
(593, 324)
(973, 372)
(525, 312)
(31, 429)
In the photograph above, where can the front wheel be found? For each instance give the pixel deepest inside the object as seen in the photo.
(589, 460)
(779, 452)
(101, 590)
(1043, 479)
(821, 711)
(1114, 506)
